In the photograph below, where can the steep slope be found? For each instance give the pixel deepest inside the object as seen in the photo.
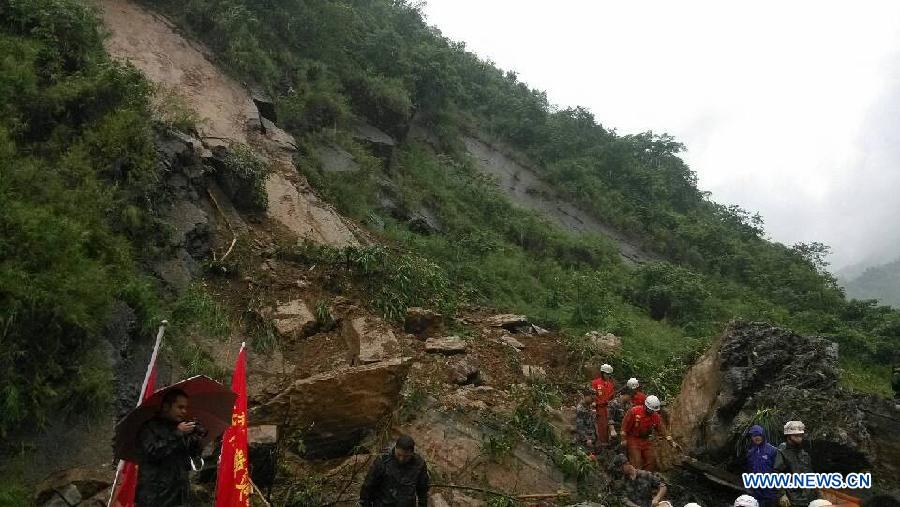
(524, 187)
(226, 109)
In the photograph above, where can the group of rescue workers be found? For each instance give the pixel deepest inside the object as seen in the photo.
(602, 410)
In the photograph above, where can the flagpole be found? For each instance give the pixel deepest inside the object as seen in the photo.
(150, 365)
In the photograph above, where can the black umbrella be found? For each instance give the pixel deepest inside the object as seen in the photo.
(209, 402)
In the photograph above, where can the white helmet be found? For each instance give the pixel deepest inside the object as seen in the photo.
(634, 384)
(606, 369)
(794, 428)
(820, 502)
(652, 403)
(692, 504)
(745, 501)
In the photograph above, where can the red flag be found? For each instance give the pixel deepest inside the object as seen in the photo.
(233, 483)
(128, 483)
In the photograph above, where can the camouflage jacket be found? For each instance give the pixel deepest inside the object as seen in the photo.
(585, 424)
(642, 488)
(616, 412)
(795, 460)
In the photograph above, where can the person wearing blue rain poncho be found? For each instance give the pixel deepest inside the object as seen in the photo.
(761, 459)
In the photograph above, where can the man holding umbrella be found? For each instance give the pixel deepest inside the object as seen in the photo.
(165, 447)
(164, 434)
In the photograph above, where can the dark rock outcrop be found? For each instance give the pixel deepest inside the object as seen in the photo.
(756, 367)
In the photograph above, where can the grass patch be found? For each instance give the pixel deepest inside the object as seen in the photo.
(866, 377)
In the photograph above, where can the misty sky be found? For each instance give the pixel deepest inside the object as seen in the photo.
(791, 109)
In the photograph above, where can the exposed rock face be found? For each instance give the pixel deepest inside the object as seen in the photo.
(334, 411)
(755, 366)
(446, 345)
(370, 340)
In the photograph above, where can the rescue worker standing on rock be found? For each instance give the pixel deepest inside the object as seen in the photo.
(792, 458)
(761, 459)
(639, 424)
(397, 478)
(605, 388)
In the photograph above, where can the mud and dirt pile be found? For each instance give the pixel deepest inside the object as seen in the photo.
(754, 372)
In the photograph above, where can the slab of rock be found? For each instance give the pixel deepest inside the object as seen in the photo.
(512, 342)
(332, 412)
(508, 321)
(73, 484)
(422, 321)
(533, 372)
(293, 319)
(605, 343)
(446, 345)
(369, 340)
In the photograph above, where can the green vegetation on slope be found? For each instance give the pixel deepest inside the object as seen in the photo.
(77, 181)
(326, 61)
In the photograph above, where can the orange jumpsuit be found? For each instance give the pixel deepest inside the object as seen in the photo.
(637, 427)
(605, 389)
(638, 398)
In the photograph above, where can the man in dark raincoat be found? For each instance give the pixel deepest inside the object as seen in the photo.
(166, 445)
(761, 460)
(397, 478)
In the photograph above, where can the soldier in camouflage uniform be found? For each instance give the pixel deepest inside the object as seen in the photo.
(617, 408)
(586, 422)
(640, 488)
(792, 458)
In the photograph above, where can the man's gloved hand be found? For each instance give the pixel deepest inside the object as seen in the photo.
(784, 501)
(612, 432)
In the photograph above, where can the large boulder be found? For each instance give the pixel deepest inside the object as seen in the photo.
(755, 369)
(369, 340)
(332, 412)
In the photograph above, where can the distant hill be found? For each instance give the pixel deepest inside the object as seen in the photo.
(878, 282)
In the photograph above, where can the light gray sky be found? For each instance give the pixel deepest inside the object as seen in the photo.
(791, 109)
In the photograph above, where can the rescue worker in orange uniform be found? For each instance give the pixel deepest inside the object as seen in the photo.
(605, 388)
(639, 423)
(637, 394)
